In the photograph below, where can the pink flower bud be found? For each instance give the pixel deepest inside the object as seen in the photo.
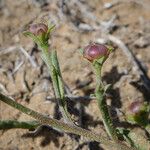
(95, 51)
(38, 29)
(135, 107)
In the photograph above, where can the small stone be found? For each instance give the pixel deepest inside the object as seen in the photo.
(142, 42)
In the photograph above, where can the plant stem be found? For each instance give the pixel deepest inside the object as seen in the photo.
(10, 124)
(100, 96)
(63, 126)
(50, 58)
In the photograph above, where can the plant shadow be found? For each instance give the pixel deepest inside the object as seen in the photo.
(141, 88)
(77, 109)
(49, 135)
(83, 119)
(114, 93)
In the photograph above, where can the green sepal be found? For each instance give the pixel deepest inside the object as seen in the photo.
(42, 39)
(50, 28)
(31, 35)
(140, 118)
(110, 49)
(99, 61)
(81, 51)
(37, 39)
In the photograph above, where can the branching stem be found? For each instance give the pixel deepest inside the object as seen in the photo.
(50, 58)
(43, 119)
(10, 124)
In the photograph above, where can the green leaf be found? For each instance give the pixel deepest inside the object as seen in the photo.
(29, 34)
(50, 28)
(10, 124)
(124, 133)
(33, 37)
(55, 62)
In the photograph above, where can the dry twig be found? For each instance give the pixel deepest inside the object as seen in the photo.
(33, 63)
(133, 59)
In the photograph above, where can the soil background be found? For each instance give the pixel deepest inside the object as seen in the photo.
(25, 77)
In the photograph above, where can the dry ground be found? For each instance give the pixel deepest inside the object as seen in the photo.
(77, 24)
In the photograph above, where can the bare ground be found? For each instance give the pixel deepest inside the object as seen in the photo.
(78, 23)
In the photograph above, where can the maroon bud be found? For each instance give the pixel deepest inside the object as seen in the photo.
(38, 29)
(95, 51)
(135, 107)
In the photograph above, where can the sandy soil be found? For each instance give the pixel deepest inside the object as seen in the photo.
(131, 24)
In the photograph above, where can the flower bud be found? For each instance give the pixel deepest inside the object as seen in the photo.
(95, 51)
(38, 29)
(135, 107)
(139, 113)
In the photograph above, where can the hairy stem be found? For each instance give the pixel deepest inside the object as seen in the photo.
(50, 58)
(63, 126)
(100, 96)
(10, 124)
